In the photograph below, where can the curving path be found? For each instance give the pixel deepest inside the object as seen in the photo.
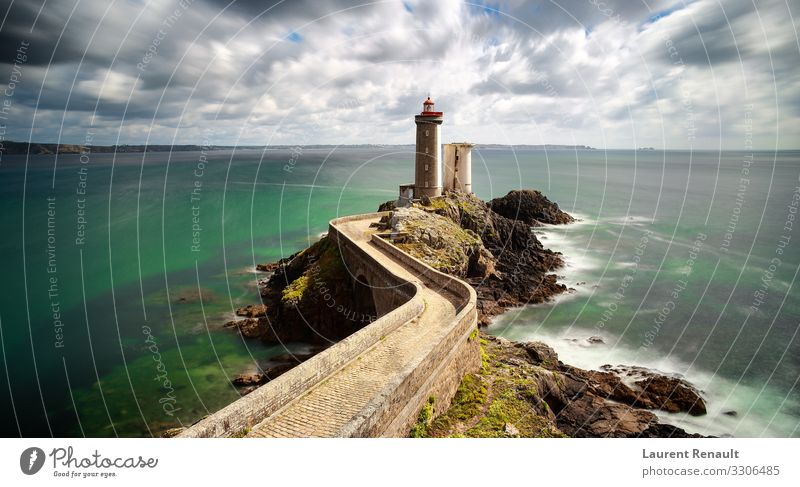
(330, 408)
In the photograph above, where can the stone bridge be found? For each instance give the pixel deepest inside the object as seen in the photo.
(376, 381)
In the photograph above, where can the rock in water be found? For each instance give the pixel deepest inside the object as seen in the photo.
(248, 327)
(650, 389)
(673, 395)
(252, 311)
(530, 207)
(253, 379)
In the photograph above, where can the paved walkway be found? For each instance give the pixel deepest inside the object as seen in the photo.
(323, 410)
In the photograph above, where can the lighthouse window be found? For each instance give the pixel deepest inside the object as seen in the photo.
(426, 167)
(426, 133)
(426, 150)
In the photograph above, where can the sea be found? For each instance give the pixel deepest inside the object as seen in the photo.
(119, 270)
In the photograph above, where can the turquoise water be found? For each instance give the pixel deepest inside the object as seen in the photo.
(665, 263)
(138, 351)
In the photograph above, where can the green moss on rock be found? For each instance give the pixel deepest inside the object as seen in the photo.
(293, 293)
(420, 428)
(499, 401)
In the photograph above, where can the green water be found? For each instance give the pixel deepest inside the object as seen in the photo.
(129, 295)
(136, 262)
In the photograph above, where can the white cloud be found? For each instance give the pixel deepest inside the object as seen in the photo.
(332, 72)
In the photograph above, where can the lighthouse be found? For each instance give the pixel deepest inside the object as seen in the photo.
(428, 161)
(427, 176)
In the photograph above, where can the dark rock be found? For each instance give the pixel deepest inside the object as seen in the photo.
(294, 357)
(555, 393)
(248, 327)
(274, 372)
(193, 295)
(270, 267)
(248, 382)
(387, 206)
(530, 207)
(673, 395)
(316, 278)
(252, 311)
(607, 385)
(595, 340)
(243, 391)
(252, 379)
(652, 390)
(731, 413)
(541, 354)
(590, 416)
(662, 430)
(171, 432)
(510, 268)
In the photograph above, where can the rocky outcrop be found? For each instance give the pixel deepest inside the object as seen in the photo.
(658, 391)
(247, 382)
(458, 234)
(502, 258)
(252, 311)
(297, 296)
(253, 379)
(525, 385)
(248, 327)
(530, 207)
(440, 243)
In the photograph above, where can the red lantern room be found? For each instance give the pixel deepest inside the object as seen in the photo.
(427, 108)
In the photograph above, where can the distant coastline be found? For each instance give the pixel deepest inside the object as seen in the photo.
(38, 148)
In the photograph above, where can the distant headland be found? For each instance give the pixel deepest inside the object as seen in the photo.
(43, 148)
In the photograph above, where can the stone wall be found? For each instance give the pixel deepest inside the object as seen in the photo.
(437, 375)
(388, 290)
(392, 412)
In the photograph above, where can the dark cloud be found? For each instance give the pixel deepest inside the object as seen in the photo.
(355, 72)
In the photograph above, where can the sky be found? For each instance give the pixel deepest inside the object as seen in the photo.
(705, 74)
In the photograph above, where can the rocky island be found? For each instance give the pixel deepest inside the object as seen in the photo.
(521, 389)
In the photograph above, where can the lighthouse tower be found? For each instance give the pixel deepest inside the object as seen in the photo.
(427, 176)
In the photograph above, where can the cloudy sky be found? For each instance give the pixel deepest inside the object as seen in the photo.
(706, 74)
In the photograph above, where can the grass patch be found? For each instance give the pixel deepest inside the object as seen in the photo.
(467, 403)
(420, 428)
(509, 408)
(489, 402)
(241, 434)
